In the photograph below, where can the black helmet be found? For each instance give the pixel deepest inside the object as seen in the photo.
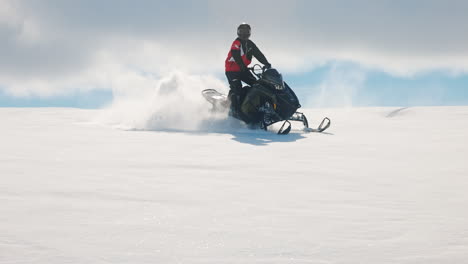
(243, 31)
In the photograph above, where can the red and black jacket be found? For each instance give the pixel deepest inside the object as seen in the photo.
(240, 55)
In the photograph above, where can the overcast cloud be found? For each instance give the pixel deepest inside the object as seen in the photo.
(52, 47)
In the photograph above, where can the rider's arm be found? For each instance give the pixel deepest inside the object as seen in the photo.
(237, 57)
(259, 56)
(235, 51)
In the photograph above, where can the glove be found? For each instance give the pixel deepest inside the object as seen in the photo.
(267, 66)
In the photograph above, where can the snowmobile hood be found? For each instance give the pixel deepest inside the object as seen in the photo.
(273, 77)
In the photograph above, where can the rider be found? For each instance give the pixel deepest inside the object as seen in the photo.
(239, 57)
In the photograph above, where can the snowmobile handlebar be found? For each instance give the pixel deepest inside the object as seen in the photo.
(254, 69)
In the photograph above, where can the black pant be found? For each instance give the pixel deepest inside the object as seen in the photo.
(237, 92)
(235, 80)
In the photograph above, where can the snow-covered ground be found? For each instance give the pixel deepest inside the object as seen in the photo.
(384, 185)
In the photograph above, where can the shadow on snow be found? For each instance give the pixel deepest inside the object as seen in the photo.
(239, 131)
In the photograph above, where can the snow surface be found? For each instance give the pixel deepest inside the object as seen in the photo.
(384, 185)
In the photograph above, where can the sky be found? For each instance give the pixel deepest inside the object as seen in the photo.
(333, 53)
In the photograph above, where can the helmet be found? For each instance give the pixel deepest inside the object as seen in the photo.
(243, 31)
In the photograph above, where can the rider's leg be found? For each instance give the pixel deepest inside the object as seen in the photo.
(248, 78)
(235, 91)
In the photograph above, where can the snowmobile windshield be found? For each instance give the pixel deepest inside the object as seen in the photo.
(274, 78)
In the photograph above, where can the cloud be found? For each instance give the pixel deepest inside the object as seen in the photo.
(52, 47)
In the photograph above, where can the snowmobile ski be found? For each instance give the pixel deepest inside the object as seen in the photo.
(324, 125)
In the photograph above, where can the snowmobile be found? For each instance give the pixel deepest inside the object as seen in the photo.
(270, 100)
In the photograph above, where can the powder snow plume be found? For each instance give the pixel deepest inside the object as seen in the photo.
(173, 102)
